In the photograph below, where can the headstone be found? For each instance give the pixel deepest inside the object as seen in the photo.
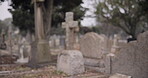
(62, 42)
(132, 59)
(71, 30)
(70, 62)
(22, 59)
(40, 47)
(93, 45)
(54, 42)
(119, 76)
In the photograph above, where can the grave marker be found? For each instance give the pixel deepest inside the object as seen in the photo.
(40, 48)
(71, 27)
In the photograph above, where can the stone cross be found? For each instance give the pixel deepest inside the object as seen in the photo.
(72, 28)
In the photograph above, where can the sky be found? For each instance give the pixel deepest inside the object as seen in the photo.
(4, 13)
(89, 21)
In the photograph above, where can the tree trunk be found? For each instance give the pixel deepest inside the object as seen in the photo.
(47, 14)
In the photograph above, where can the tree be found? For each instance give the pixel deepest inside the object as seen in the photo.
(54, 10)
(127, 15)
(144, 6)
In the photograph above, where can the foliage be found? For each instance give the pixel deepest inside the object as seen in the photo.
(23, 12)
(84, 30)
(125, 14)
(23, 15)
(144, 6)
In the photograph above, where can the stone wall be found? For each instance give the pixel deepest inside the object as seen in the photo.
(132, 59)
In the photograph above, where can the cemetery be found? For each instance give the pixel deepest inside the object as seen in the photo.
(53, 42)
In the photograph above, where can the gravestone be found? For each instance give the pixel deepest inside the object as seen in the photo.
(70, 62)
(93, 45)
(24, 51)
(132, 59)
(53, 41)
(62, 42)
(22, 59)
(40, 47)
(94, 48)
(71, 30)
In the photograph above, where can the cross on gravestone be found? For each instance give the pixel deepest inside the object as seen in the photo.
(72, 28)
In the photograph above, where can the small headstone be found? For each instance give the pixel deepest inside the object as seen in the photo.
(119, 76)
(70, 62)
(62, 42)
(53, 41)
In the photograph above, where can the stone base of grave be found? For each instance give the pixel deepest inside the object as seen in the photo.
(40, 52)
(70, 62)
(100, 65)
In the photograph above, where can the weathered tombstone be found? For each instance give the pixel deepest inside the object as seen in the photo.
(132, 59)
(40, 48)
(70, 62)
(94, 48)
(93, 45)
(71, 30)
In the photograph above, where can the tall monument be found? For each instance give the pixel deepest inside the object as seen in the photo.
(40, 47)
